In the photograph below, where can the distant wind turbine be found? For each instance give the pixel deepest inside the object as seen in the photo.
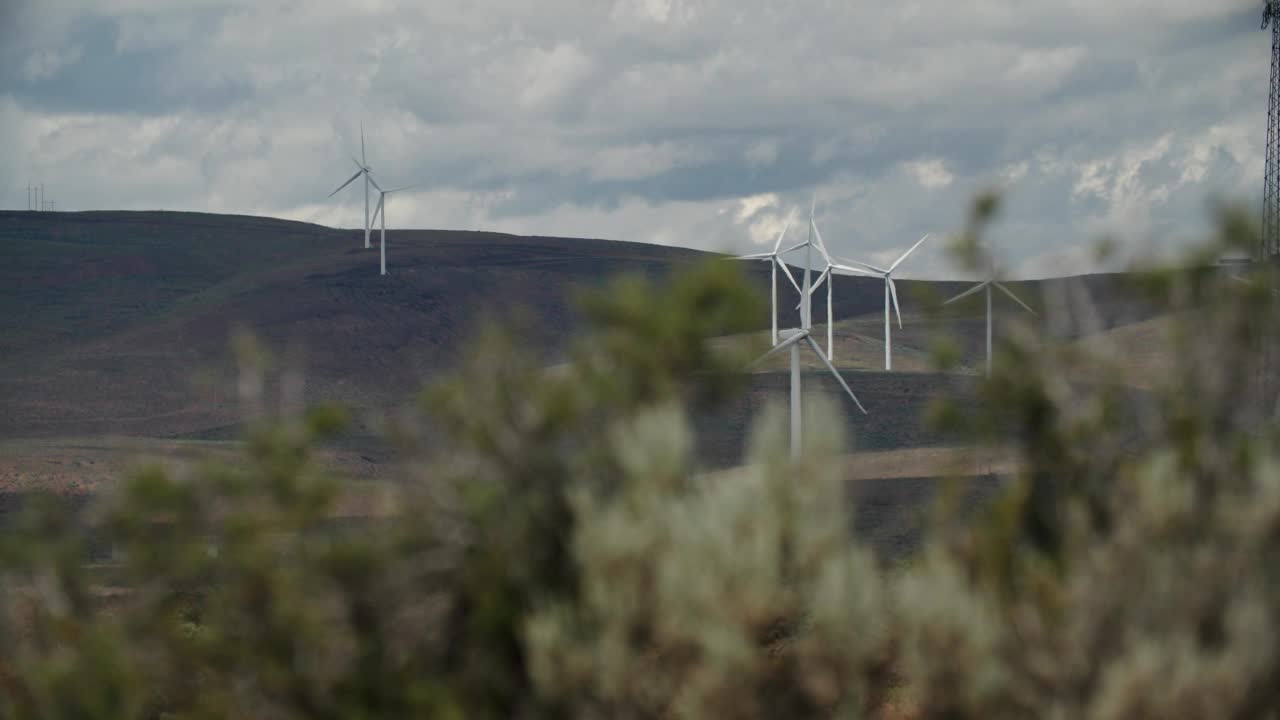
(381, 211)
(366, 171)
(815, 240)
(775, 262)
(890, 293)
(793, 338)
(987, 285)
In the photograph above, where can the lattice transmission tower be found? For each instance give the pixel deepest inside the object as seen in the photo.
(1271, 182)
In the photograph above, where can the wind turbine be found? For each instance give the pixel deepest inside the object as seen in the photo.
(381, 210)
(987, 285)
(364, 169)
(775, 262)
(793, 338)
(815, 240)
(890, 293)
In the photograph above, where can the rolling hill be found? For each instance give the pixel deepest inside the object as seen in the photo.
(118, 324)
(108, 317)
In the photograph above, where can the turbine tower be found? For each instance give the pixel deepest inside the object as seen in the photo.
(775, 262)
(1271, 177)
(987, 285)
(381, 210)
(363, 169)
(815, 240)
(890, 293)
(792, 339)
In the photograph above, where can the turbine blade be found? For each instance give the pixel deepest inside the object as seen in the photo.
(969, 292)
(364, 158)
(821, 278)
(821, 247)
(869, 266)
(1016, 299)
(800, 335)
(893, 293)
(756, 256)
(403, 187)
(797, 246)
(858, 271)
(814, 287)
(348, 182)
(374, 183)
(778, 243)
(377, 210)
(912, 249)
(787, 271)
(835, 372)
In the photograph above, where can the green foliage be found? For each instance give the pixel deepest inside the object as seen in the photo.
(1126, 572)
(737, 596)
(562, 553)
(237, 594)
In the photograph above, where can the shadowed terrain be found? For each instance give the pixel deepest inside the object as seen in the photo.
(119, 324)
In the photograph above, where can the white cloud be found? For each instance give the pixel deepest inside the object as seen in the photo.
(661, 12)
(546, 76)
(1093, 180)
(46, 63)
(748, 207)
(1045, 67)
(635, 162)
(762, 154)
(931, 173)
(1014, 172)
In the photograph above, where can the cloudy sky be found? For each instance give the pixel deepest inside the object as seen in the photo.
(688, 122)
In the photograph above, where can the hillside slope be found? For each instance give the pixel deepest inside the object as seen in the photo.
(109, 317)
(119, 322)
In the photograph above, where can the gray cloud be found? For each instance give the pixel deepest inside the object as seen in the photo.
(657, 120)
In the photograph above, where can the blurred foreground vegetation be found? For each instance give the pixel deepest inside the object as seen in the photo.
(567, 557)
